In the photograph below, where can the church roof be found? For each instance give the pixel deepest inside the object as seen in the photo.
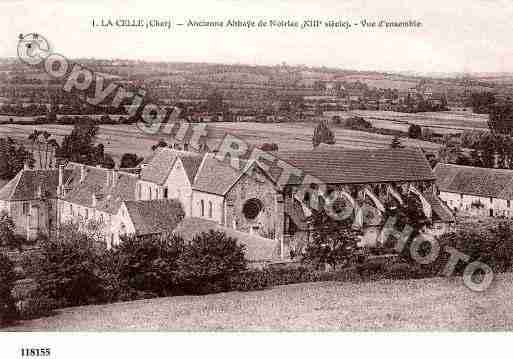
(215, 176)
(155, 216)
(358, 166)
(162, 162)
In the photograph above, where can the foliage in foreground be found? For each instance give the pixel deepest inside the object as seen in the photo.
(8, 311)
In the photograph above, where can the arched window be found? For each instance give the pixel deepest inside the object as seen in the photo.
(149, 192)
(165, 192)
(210, 209)
(202, 203)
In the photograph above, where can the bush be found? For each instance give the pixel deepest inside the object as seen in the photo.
(209, 261)
(258, 279)
(146, 266)
(8, 311)
(269, 147)
(414, 131)
(357, 123)
(491, 245)
(69, 270)
(37, 306)
(8, 237)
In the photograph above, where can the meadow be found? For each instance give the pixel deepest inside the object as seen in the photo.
(420, 304)
(119, 139)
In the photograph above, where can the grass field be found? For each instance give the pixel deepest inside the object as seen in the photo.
(440, 122)
(119, 139)
(424, 304)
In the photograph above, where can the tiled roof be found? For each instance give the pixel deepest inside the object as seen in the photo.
(98, 181)
(484, 182)
(26, 184)
(257, 248)
(156, 216)
(158, 169)
(358, 166)
(191, 165)
(215, 176)
(440, 210)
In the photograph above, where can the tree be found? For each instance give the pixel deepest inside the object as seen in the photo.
(8, 311)
(501, 119)
(322, 134)
(108, 161)
(79, 146)
(414, 131)
(215, 102)
(209, 260)
(13, 158)
(8, 235)
(333, 242)
(396, 143)
(69, 268)
(45, 144)
(148, 264)
(130, 160)
(482, 102)
(161, 143)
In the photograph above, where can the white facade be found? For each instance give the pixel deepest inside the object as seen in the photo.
(176, 185)
(476, 205)
(208, 206)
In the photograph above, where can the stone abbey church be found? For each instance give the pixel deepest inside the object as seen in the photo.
(184, 192)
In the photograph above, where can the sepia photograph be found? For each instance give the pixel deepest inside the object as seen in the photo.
(270, 167)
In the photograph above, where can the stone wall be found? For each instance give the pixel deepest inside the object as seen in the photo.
(255, 186)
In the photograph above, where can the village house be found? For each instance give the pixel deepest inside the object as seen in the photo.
(94, 194)
(174, 184)
(31, 200)
(476, 191)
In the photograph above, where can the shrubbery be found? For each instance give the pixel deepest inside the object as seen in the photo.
(145, 265)
(69, 270)
(73, 270)
(208, 261)
(491, 245)
(8, 311)
(37, 306)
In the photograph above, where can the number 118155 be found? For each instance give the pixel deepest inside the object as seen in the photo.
(35, 352)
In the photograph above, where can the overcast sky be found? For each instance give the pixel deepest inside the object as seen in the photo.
(456, 36)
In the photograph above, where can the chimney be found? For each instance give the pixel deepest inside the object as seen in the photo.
(82, 173)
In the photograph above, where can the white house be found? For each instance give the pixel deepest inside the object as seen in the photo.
(484, 192)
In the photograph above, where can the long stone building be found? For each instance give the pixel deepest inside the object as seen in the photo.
(248, 199)
(476, 191)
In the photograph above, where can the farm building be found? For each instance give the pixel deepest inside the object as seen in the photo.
(376, 178)
(249, 200)
(484, 192)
